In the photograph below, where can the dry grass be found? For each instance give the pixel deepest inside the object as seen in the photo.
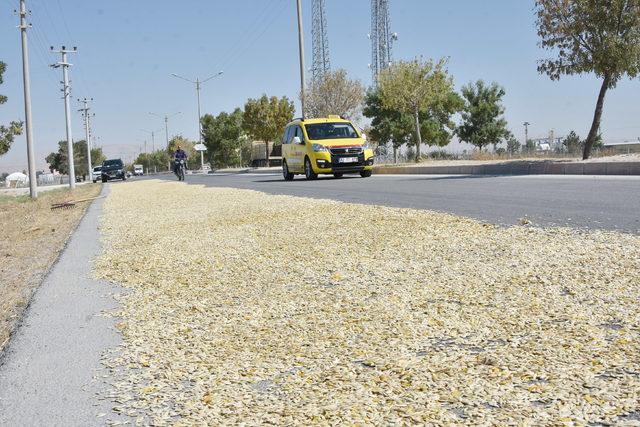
(247, 308)
(32, 237)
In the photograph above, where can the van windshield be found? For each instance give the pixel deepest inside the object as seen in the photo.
(337, 130)
(108, 163)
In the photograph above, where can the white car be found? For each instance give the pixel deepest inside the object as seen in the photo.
(96, 174)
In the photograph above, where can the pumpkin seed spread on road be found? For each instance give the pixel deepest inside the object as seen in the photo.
(244, 307)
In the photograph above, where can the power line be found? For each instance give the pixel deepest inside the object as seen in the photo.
(239, 52)
(80, 72)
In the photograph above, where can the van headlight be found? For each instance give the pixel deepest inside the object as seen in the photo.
(318, 147)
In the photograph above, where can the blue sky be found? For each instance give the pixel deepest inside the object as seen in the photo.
(127, 49)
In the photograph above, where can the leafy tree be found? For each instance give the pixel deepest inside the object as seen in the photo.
(530, 146)
(412, 87)
(572, 143)
(589, 36)
(246, 150)
(7, 133)
(266, 117)
(184, 143)
(223, 136)
(59, 160)
(513, 145)
(334, 94)
(156, 160)
(482, 117)
(387, 124)
(436, 125)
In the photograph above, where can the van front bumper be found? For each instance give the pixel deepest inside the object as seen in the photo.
(333, 165)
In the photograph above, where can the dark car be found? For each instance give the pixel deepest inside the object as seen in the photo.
(113, 169)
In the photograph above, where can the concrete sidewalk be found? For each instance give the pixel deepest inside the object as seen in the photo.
(50, 371)
(524, 167)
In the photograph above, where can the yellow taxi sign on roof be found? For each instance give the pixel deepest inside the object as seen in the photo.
(333, 116)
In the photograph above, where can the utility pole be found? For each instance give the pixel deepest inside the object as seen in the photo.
(301, 52)
(526, 134)
(198, 84)
(85, 111)
(66, 90)
(166, 122)
(153, 145)
(33, 180)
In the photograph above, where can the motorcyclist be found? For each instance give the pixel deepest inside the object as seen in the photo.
(179, 154)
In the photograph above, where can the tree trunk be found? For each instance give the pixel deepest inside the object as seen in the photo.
(419, 136)
(395, 154)
(595, 126)
(266, 143)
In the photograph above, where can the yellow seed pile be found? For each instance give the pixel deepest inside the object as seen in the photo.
(254, 308)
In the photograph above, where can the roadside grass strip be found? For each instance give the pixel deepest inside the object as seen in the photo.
(244, 307)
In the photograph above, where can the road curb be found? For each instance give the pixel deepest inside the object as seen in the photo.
(517, 168)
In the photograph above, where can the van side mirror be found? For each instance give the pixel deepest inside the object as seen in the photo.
(364, 136)
(296, 140)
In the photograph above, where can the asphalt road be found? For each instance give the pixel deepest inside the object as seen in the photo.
(592, 202)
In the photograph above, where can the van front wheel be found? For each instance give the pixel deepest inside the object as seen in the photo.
(365, 174)
(308, 170)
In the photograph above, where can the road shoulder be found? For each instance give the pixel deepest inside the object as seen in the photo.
(51, 372)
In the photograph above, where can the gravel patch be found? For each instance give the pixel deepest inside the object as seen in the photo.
(251, 308)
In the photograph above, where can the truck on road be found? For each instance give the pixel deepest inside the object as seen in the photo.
(138, 170)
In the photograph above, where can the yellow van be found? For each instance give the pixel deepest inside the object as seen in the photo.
(329, 145)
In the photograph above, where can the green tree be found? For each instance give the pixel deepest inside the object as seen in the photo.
(513, 145)
(184, 143)
(59, 160)
(266, 117)
(7, 133)
(436, 124)
(412, 87)
(590, 36)
(223, 136)
(482, 117)
(572, 143)
(387, 124)
(334, 94)
(530, 146)
(158, 160)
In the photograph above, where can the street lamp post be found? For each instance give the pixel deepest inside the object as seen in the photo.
(198, 84)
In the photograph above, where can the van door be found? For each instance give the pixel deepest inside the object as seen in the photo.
(299, 150)
(286, 146)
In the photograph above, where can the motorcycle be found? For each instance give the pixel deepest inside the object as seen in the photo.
(180, 167)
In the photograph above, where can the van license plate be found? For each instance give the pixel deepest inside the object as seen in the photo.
(348, 160)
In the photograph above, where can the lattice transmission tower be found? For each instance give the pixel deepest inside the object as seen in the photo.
(321, 64)
(381, 37)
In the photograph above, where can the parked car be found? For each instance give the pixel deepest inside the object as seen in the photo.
(96, 174)
(113, 169)
(329, 145)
